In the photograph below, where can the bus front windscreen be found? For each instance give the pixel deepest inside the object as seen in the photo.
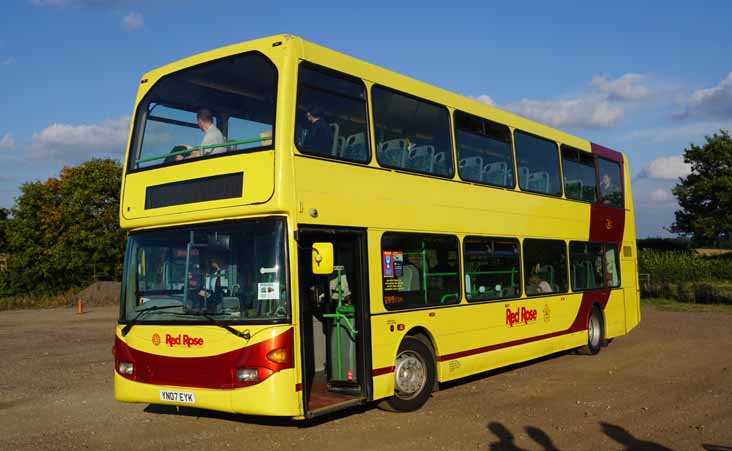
(234, 272)
(217, 108)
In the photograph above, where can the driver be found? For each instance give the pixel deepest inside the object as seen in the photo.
(215, 285)
(211, 135)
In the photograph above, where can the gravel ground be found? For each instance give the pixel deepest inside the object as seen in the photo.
(667, 385)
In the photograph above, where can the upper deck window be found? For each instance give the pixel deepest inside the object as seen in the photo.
(580, 179)
(484, 151)
(331, 115)
(217, 108)
(538, 164)
(611, 186)
(411, 134)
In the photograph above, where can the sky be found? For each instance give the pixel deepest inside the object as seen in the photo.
(646, 78)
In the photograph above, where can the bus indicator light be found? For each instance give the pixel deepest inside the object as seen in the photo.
(278, 355)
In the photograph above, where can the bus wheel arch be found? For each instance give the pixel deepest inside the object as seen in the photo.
(415, 374)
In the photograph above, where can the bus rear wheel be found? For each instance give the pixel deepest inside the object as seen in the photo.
(595, 333)
(414, 376)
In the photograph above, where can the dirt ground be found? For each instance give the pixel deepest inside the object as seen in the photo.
(667, 385)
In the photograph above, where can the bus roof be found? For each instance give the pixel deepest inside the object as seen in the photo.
(382, 76)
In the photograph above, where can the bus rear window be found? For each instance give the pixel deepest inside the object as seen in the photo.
(213, 109)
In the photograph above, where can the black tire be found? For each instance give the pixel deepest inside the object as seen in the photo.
(595, 333)
(414, 376)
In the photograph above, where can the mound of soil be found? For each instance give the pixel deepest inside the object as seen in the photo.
(100, 293)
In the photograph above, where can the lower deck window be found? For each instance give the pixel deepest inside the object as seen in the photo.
(586, 265)
(419, 270)
(545, 266)
(492, 268)
(612, 267)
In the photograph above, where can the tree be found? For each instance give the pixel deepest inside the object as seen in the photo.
(64, 232)
(705, 195)
(4, 213)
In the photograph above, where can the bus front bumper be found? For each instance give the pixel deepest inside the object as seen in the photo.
(275, 396)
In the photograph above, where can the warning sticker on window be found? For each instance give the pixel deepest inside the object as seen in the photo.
(394, 284)
(268, 291)
(398, 264)
(388, 264)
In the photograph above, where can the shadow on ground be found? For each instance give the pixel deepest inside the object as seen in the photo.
(506, 439)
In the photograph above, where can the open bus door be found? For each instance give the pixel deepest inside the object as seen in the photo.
(334, 319)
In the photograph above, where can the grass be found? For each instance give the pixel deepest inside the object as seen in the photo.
(671, 305)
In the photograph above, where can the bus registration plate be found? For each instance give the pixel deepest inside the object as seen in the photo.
(177, 396)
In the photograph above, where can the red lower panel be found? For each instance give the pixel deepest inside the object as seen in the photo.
(217, 371)
(589, 299)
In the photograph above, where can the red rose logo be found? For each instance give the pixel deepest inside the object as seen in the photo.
(156, 339)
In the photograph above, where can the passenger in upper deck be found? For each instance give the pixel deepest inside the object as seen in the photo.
(211, 135)
(318, 137)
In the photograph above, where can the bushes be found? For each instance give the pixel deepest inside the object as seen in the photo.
(697, 293)
(686, 277)
(683, 266)
(709, 294)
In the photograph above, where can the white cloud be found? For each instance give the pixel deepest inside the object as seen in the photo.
(661, 196)
(600, 106)
(74, 143)
(485, 99)
(666, 168)
(715, 102)
(133, 21)
(589, 111)
(686, 133)
(7, 141)
(626, 87)
(7, 61)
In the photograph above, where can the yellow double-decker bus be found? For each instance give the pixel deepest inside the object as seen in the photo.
(308, 232)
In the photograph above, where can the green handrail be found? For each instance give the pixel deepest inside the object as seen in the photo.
(426, 274)
(338, 315)
(513, 273)
(447, 296)
(206, 147)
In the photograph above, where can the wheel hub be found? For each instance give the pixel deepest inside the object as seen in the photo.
(410, 374)
(594, 330)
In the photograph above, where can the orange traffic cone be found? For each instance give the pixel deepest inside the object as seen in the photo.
(79, 307)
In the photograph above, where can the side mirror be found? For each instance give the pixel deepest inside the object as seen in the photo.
(322, 258)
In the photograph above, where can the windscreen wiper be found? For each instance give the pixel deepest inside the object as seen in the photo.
(132, 322)
(245, 335)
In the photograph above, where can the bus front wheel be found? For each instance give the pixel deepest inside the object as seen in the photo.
(414, 376)
(595, 333)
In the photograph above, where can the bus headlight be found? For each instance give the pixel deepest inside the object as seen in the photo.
(247, 375)
(126, 368)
